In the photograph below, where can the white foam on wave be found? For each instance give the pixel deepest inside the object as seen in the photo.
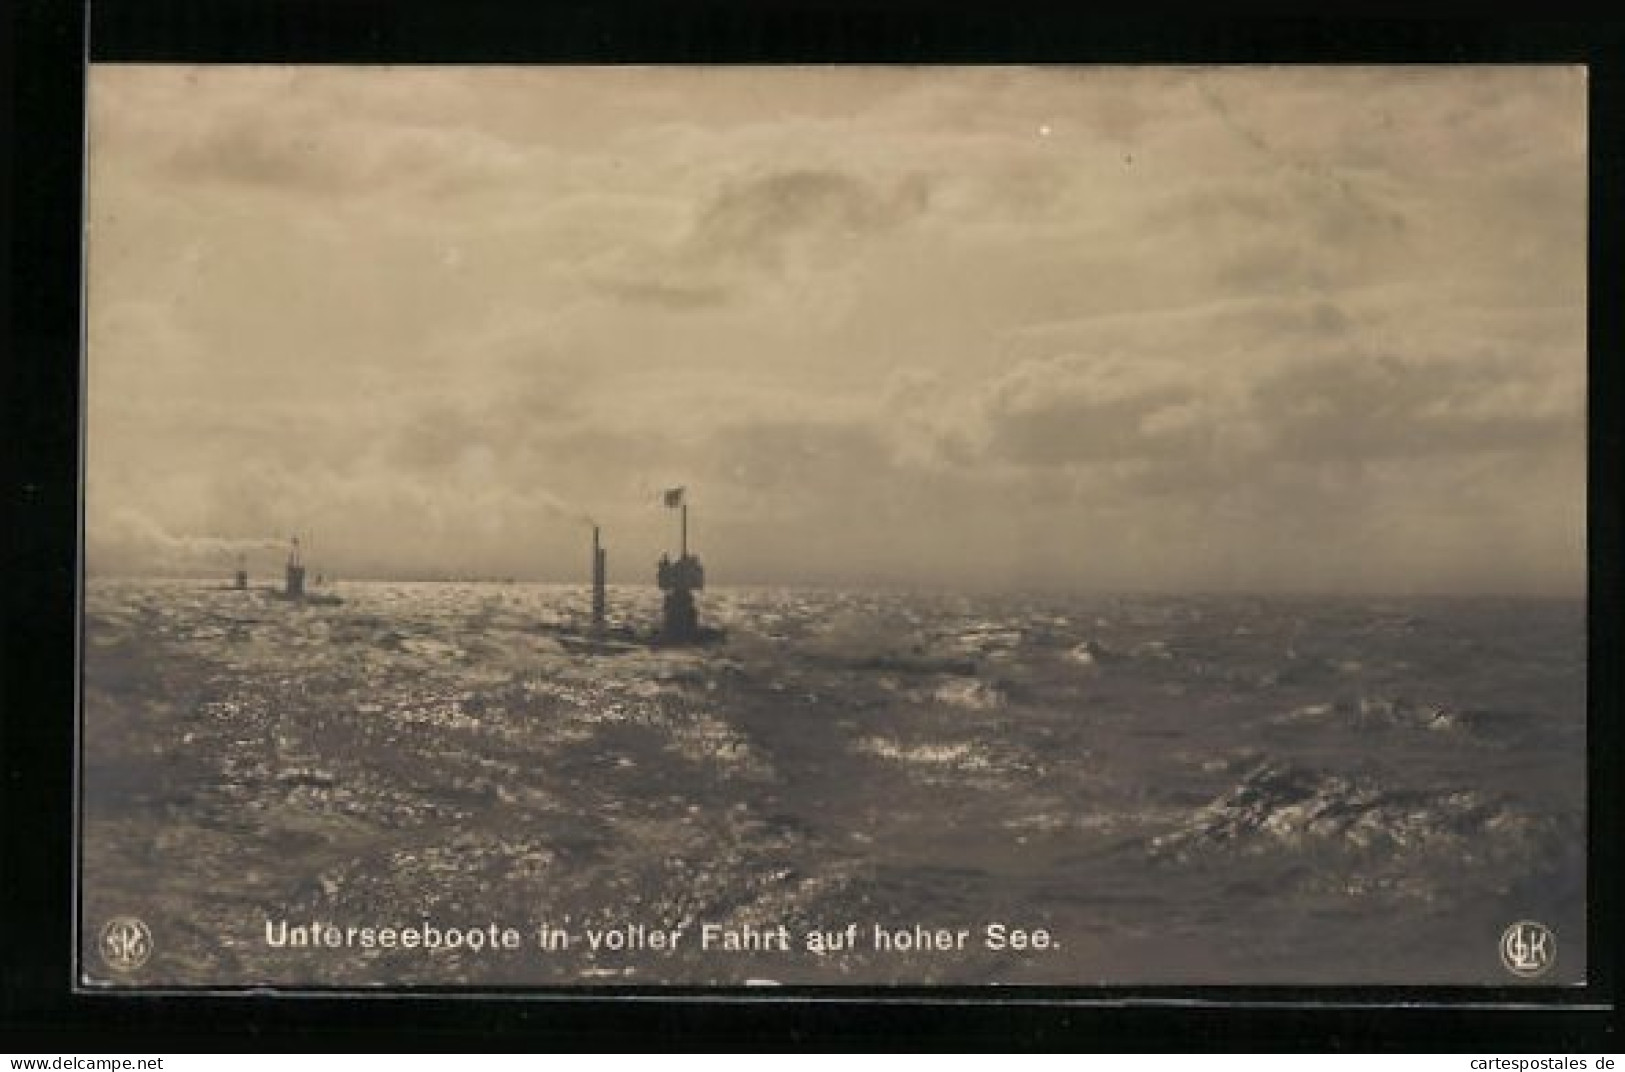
(971, 694)
(961, 755)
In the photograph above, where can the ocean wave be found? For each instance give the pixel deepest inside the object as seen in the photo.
(962, 762)
(1379, 712)
(1129, 776)
(970, 694)
(1280, 805)
(958, 755)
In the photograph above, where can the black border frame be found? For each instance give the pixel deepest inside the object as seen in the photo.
(41, 415)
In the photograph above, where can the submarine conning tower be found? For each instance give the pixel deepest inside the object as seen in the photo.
(680, 579)
(296, 572)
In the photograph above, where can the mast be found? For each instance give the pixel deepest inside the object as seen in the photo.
(685, 531)
(599, 570)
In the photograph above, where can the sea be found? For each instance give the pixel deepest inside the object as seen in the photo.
(868, 788)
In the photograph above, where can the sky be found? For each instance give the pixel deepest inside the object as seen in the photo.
(1097, 329)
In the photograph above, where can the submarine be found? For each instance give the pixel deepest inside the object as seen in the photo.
(293, 589)
(679, 578)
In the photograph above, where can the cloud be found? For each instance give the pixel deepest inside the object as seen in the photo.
(1181, 424)
(126, 538)
(666, 292)
(271, 135)
(765, 227)
(1230, 323)
(800, 459)
(1078, 409)
(756, 220)
(1355, 406)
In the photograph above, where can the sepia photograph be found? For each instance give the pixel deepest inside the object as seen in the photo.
(587, 528)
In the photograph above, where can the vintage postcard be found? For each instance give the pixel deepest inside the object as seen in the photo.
(568, 527)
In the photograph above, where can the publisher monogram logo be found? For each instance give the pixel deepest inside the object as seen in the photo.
(126, 943)
(1528, 949)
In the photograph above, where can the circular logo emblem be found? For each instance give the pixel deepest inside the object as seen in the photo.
(1528, 949)
(126, 943)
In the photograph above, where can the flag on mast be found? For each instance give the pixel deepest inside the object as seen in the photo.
(674, 497)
